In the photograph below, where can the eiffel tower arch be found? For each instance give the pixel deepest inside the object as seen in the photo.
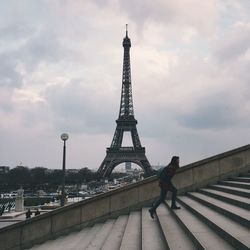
(126, 122)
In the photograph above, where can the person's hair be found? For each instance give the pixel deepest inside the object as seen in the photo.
(174, 161)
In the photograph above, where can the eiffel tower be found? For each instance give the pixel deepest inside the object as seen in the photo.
(126, 122)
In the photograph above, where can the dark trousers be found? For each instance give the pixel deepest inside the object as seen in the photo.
(163, 194)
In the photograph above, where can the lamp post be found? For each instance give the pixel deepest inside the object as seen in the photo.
(64, 137)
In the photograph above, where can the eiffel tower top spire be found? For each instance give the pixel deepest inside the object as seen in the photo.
(126, 105)
(126, 40)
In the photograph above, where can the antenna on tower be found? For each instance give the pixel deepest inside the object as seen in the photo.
(126, 30)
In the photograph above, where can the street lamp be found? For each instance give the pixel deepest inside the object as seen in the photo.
(64, 137)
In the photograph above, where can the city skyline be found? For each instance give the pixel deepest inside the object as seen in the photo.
(61, 71)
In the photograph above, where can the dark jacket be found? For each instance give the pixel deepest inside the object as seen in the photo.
(166, 176)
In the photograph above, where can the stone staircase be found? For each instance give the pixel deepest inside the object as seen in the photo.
(216, 217)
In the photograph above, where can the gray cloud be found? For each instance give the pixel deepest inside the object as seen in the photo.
(5, 104)
(79, 110)
(23, 47)
(209, 115)
(40, 48)
(234, 43)
(172, 13)
(9, 76)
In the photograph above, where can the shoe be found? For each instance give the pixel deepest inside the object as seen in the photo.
(175, 207)
(151, 212)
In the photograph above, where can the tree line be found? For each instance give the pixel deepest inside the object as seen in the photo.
(46, 179)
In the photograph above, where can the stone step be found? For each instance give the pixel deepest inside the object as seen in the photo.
(152, 237)
(199, 231)
(232, 190)
(63, 242)
(175, 236)
(240, 179)
(132, 236)
(114, 239)
(70, 241)
(237, 214)
(101, 236)
(84, 241)
(234, 233)
(226, 197)
(235, 184)
(43, 246)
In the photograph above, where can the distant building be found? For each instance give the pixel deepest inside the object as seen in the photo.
(41, 193)
(130, 172)
(4, 169)
(72, 171)
(49, 171)
(158, 166)
(128, 166)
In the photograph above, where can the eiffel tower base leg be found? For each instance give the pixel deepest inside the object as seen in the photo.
(113, 159)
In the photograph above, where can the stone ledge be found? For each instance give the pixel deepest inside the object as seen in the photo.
(215, 157)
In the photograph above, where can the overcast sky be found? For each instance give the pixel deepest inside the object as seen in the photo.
(61, 69)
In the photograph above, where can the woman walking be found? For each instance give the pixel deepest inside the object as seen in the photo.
(166, 185)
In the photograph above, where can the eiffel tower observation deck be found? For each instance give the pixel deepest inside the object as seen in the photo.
(126, 122)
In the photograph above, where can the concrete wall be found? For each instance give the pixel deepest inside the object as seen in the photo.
(120, 201)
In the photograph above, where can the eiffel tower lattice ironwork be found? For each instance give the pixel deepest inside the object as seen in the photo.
(126, 122)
